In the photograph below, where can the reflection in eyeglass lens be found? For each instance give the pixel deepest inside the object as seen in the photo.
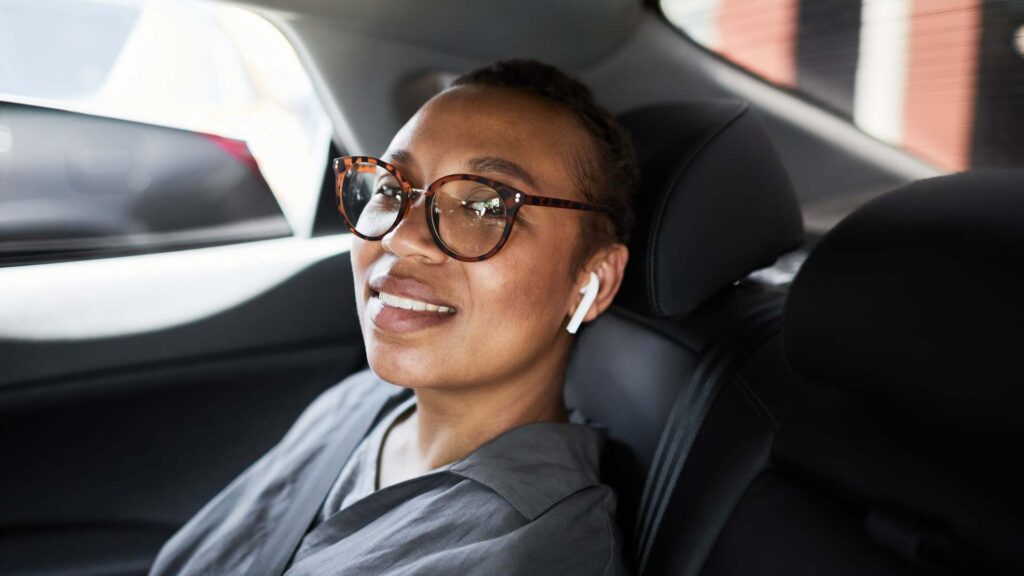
(471, 217)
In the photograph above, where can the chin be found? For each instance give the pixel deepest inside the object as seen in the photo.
(406, 368)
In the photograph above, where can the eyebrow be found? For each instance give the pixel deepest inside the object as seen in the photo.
(490, 164)
(399, 156)
(501, 166)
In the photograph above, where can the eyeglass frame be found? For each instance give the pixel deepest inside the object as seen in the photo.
(513, 199)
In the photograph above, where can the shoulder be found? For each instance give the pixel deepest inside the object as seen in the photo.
(259, 495)
(548, 473)
(578, 535)
(594, 509)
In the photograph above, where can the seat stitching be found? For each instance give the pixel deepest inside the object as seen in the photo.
(759, 406)
(611, 537)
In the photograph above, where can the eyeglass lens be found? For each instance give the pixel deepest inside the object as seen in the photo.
(371, 199)
(469, 217)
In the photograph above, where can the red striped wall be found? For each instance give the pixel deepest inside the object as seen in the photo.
(941, 79)
(760, 35)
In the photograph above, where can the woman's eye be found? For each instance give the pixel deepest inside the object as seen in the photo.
(388, 190)
(385, 196)
(490, 207)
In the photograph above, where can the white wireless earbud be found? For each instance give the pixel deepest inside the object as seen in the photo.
(589, 295)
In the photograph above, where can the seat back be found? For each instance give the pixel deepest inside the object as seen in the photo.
(880, 434)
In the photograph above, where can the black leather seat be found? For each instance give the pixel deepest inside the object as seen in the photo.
(715, 204)
(892, 445)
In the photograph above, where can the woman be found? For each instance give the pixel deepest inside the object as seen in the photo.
(491, 227)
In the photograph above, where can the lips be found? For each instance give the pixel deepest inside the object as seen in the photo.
(400, 304)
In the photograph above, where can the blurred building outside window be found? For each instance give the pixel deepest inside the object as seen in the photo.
(942, 79)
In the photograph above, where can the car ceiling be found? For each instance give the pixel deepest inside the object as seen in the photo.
(375, 62)
(569, 33)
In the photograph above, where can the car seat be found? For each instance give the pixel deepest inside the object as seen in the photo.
(880, 433)
(714, 205)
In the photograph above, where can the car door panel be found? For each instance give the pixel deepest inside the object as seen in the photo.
(110, 443)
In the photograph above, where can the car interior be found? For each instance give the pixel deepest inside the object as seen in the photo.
(810, 369)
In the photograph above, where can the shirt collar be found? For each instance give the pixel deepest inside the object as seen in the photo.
(537, 465)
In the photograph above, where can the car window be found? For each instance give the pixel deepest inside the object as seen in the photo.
(941, 79)
(153, 125)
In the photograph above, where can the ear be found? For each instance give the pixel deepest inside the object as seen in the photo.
(609, 264)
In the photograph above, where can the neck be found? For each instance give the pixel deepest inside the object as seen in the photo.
(451, 425)
(451, 422)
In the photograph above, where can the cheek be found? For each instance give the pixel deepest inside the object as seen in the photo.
(527, 300)
(363, 254)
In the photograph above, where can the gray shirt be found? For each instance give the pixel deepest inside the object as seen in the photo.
(359, 477)
(526, 502)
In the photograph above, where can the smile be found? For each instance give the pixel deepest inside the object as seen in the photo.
(410, 304)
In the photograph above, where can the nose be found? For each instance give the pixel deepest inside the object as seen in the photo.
(412, 236)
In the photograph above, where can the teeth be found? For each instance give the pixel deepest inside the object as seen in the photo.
(410, 304)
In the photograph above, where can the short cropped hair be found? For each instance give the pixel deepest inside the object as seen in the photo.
(608, 175)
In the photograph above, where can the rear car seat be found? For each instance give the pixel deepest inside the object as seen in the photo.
(881, 433)
(714, 205)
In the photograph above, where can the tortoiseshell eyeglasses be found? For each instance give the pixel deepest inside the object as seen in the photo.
(470, 217)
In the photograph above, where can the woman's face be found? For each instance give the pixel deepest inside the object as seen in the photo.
(511, 309)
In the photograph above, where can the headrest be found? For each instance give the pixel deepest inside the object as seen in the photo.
(916, 302)
(714, 204)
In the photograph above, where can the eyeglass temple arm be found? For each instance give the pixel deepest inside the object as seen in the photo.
(561, 203)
